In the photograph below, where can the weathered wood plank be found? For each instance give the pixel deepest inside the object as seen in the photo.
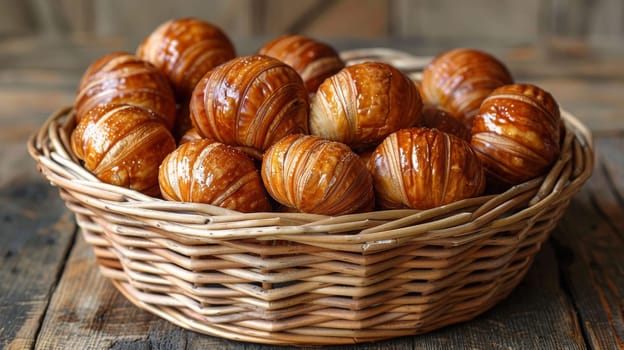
(15, 18)
(580, 97)
(35, 235)
(87, 312)
(346, 18)
(511, 21)
(583, 19)
(277, 17)
(590, 241)
(36, 230)
(119, 18)
(65, 58)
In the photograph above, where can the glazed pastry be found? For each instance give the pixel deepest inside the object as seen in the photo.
(185, 49)
(123, 145)
(121, 78)
(315, 175)
(365, 154)
(205, 171)
(313, 60)
(422, 168)
(250, 101)
(364, 103)
(459, 80)
(517, 133)
(190, 135)
(437, 118)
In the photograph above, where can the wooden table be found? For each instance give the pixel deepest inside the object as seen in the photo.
(53, 297)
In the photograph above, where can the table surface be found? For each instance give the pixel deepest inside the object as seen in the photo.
(53, 297)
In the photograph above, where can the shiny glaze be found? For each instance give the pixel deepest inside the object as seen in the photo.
(315, 61)
(424, 168)
(250, 101)
(205, 171)
(190, 135)
(315, 175)
(122, 78)
(364, 103)
(123, 145)
(438, 118)
(459, 80)
(517, 133)
(185, 49)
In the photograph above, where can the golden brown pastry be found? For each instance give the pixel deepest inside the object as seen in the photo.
(185, 49)
(122, 78)
(424, 168)
(250, 101)
(365, 154)
(438, 118)
(459, 80)
(205, 171)
(364, 103)
(190, 135)
(517, 133)
(315, 61)
(123, 145)
(317, 176)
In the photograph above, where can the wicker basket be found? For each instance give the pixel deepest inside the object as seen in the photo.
(284, 278)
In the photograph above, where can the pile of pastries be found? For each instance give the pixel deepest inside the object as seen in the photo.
(292, 128)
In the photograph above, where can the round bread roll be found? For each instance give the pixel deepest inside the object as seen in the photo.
(250, 101)
(363, 103)
(185, 49)
(315, 175)
(422, 168)
(459, 80)
(123, 145)
(315, 61)
(517, 133)
(205, 171)
(121, 78)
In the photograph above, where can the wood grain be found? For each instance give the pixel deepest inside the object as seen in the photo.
(506, 21)
(37, 232)
(87, 313)
(590, 241)
(417, 18)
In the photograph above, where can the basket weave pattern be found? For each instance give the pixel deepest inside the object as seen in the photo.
(285, 278)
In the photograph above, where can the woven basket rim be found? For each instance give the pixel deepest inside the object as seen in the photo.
(373, 230)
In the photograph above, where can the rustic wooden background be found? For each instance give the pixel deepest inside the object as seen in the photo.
(512, 22)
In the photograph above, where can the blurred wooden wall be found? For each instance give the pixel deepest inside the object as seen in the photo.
(507, 21)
